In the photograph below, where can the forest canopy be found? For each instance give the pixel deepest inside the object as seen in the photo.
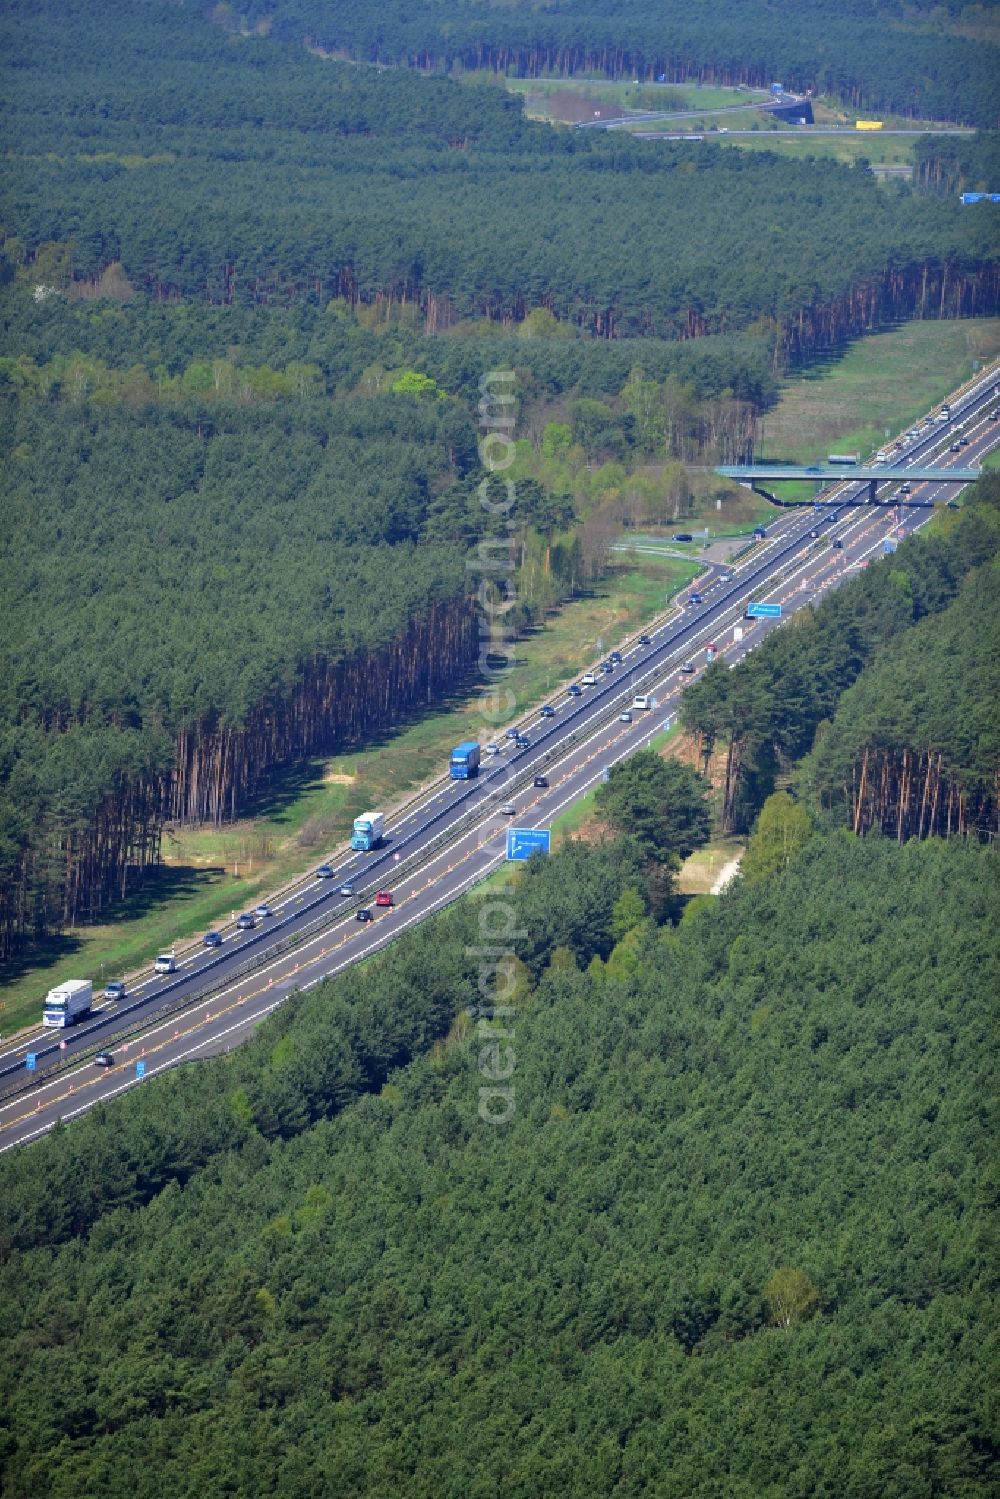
(905, 58)
(732, 1241)
(236, 169)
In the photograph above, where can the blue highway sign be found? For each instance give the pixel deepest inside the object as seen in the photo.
(523, 842)
(764, 611)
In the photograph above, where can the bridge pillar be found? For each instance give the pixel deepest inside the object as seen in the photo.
(872, 491)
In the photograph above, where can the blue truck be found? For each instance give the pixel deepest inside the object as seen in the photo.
(465, 760)
(367, 832)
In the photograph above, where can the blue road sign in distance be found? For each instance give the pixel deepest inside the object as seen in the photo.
(764, 611)
(29, 1061)
(140, 1069)
(523, 842)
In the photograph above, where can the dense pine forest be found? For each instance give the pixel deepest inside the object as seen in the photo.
(194, 597)
(733, 1239)
(235, 169)
(917, 750)
(914, 747)
(906, 58)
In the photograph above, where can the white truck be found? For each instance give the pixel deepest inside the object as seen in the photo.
(67, 1003)
(166, 963)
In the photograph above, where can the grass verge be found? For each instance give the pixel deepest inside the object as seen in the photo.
(881, 385)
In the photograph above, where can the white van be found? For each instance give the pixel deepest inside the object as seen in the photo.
(642, 700)
(166, 963)
(589, 679)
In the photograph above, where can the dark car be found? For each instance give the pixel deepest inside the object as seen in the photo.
(963, 442)
(246, 922)
(541, 780)
(688, 668)
(513, 733)
(104, 1059)
(837, 544)
(324, 872)
(363, 914)
(615, 658)
(684, 536)
(115, 990)
(522, 741)
(645, 640)
(575, 690)
(759, 533)
(212, 939)
(956, 447)
(694, 598)
(548, 711)
(814, 532)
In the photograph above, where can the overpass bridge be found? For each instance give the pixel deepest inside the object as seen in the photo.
(755, 474)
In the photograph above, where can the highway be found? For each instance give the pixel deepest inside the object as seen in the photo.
(443, 844)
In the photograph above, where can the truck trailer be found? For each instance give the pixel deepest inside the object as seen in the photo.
(68, 1003)
(368, 830)
(465, 760)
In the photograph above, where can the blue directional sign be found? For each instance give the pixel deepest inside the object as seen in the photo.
(764, 611)
(523, 842)
(140, 1069)
(888, 545)
(29, 1061)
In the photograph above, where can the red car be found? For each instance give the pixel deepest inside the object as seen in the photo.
(383, 898)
